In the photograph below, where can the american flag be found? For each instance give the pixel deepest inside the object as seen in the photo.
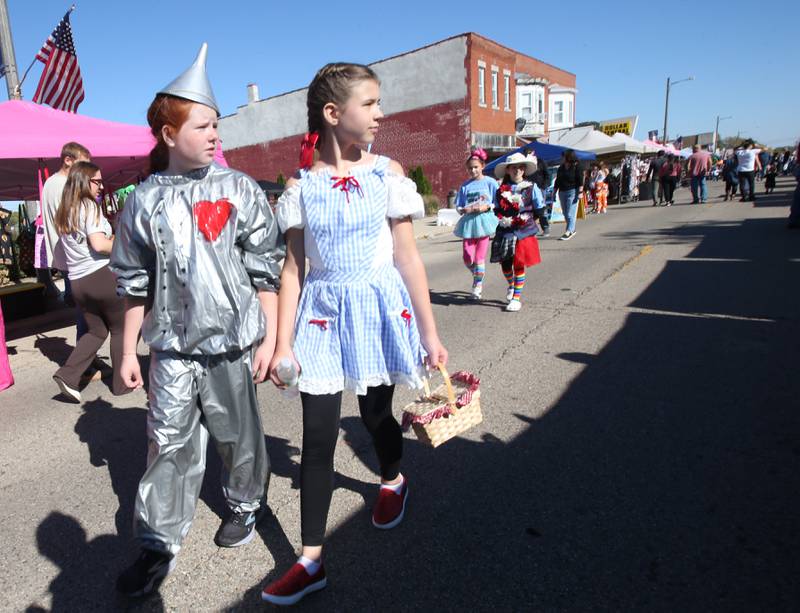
(61, 85)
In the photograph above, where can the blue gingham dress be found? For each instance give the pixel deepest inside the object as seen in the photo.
(355, 325)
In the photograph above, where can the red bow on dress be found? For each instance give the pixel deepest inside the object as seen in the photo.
(347, 184)
(407, 316)
(307, 149)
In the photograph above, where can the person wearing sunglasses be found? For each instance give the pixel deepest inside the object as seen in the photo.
(86, 238)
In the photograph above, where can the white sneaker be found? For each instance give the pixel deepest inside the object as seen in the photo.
(510, 294)
(68, 391)
(477, 290)
(514, 306)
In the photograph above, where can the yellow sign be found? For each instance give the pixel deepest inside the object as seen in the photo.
(625, 125)
(612, 128)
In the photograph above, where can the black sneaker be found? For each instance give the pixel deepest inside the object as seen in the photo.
(146, 573)
(239, 528)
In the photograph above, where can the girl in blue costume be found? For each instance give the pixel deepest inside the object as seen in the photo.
(478, 223)
(361, 318)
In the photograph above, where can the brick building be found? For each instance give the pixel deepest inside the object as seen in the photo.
(438, 100)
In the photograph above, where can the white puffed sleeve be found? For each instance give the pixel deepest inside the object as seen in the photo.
(404, 201)
(289, 210)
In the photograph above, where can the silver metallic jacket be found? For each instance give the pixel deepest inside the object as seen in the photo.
(201, 287)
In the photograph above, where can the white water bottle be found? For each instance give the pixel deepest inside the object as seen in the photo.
(287, 373)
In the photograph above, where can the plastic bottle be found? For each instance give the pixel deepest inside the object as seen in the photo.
(287, 373)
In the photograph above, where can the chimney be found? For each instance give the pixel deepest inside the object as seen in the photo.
(252, 93)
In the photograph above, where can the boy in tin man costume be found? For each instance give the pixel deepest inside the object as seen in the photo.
(197, 258)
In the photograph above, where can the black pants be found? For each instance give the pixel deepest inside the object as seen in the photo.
(668, 184)
(321, 414)
(541, 216)
(747, 186)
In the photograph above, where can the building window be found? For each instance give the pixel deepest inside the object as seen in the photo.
(558, 112)
(494, 89)
(526, 107)
(570, 116)
(540, 104)
(507, 92)
(481, 85)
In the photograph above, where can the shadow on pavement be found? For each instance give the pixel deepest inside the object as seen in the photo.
(660, 480)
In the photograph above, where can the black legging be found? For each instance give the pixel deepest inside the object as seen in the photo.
(669, 187)
(321, 414)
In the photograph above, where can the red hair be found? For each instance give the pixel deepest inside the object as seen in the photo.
(170, 111)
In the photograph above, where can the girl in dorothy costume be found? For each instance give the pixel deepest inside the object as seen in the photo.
(361, 318)
(478, 223)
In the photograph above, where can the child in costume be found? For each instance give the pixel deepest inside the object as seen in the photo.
(475, 202)
(197, 258)
(599, 189)
(361, 318)
(515, 245)
(770, 175)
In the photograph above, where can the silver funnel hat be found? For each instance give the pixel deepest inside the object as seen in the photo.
(193, 84)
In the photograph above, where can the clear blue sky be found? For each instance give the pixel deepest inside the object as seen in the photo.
(744, 55)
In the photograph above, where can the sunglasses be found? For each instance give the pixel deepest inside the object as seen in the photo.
(97, 182)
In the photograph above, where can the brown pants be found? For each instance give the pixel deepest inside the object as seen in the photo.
(96, 296)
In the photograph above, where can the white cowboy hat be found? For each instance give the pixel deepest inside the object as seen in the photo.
(514, 159)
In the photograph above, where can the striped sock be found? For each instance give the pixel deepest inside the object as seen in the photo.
(509, 275)
(519, 283)
(477, 274)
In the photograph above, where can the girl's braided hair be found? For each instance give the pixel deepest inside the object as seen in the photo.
(333, 83)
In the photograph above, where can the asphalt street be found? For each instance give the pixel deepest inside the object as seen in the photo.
(639, 449)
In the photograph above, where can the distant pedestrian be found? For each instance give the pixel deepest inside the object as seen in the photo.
(569, 183)
(654, 177)
(670, 175)
(599, 189)
(763, 158)
(794, 213)
(749, 164)
(769, 178)
(731, 176)
(475, 201)
(699, 166)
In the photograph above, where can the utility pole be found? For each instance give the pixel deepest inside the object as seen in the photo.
(7, 57)
(716, 131)
(666, 103)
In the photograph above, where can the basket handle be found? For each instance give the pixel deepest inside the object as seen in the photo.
(451, 395)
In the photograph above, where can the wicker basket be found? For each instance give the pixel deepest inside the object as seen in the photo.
(451, 409)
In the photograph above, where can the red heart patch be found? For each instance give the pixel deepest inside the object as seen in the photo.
(212, 216)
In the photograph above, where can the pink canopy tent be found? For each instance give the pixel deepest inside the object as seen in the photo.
(32, 137)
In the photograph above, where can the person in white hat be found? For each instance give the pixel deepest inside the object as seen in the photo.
(515, 245)
(197, 259)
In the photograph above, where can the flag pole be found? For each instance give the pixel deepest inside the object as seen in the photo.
(24, 76)
(7, 57)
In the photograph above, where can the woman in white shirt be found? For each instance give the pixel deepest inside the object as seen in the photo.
(87, 240)
(748, 165)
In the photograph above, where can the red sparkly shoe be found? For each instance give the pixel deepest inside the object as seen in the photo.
(390, 507)
(294, 584)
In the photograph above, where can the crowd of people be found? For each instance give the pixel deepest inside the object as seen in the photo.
(213, 279)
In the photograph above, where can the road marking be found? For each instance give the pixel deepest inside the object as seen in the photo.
(701, 315)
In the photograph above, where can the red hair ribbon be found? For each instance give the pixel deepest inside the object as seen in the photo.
(322, 323)
(307, 149)
(407, 316)
(479, 154)
(347, 184)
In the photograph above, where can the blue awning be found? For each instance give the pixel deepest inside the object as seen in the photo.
(544, 151)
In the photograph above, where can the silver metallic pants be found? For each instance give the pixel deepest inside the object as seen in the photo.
(190, 397)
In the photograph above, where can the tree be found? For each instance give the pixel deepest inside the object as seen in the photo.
(424, 187)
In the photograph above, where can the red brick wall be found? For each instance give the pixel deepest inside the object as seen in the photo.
(435, 137)
(485, 118)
